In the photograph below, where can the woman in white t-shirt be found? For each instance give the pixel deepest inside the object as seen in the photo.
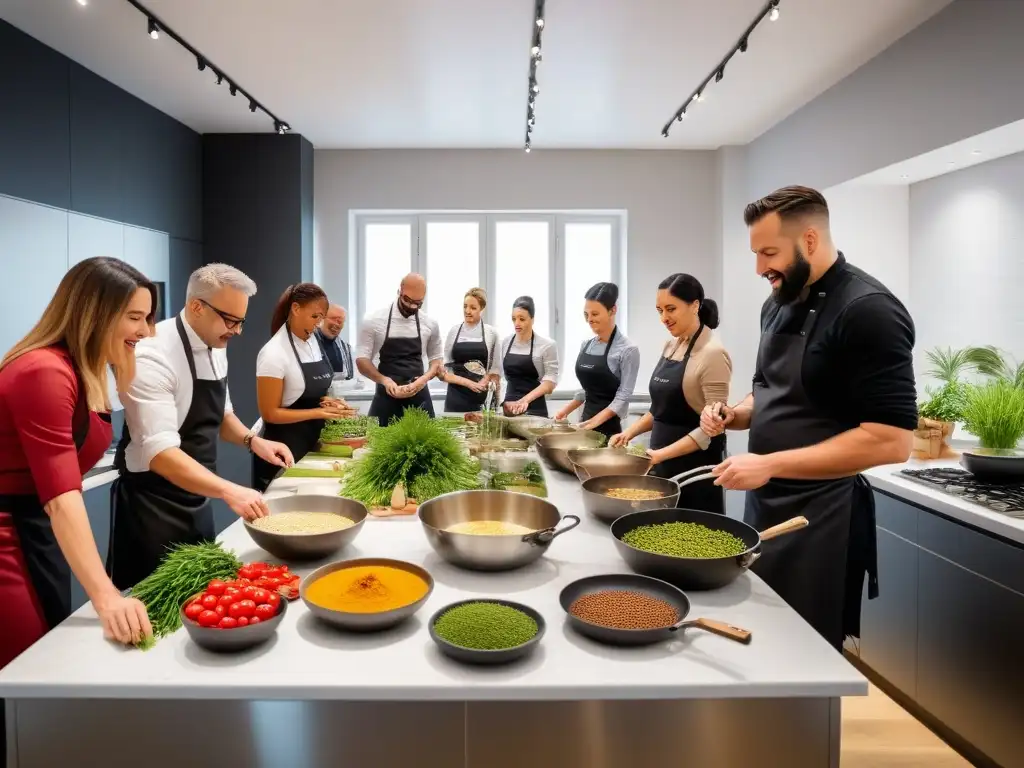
(470, 341)
(293, 376)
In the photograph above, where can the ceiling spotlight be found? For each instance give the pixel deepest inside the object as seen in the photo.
(535, 51)
(154, 30)
(201, 63)
(535, 88)
(527, 147)
(281, 128)
(719, 75)
(532, 121)
(904, 176)
(664, 132)
(220, 78)
(540, 23)
(695, 97)
(252, 105)
(700, 97)
(774, 15)
(83, 2)
(680, 117)
(743, 45)
(234, 89)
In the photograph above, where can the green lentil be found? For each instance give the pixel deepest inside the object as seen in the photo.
(485, 626)
(684, 540)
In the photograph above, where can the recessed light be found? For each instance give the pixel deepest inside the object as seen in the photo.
(975, 151)
(951, 163)
(904, 175)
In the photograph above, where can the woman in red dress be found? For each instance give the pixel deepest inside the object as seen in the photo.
(54, 427)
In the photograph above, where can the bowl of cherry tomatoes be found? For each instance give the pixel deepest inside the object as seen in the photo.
(233, 615)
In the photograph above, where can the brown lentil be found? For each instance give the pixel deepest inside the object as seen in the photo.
(624, 609)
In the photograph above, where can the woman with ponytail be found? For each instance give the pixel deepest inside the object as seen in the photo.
(694, 370)
(293, 375)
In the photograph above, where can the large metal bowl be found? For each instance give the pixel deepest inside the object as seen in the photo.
(309, 546)
(608, 510)
(596, 462)
(530, 428)
(554, 448)
(365, 622)
(230, 640)
(491, 553)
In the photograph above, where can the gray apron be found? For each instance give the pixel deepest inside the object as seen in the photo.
(811, 569)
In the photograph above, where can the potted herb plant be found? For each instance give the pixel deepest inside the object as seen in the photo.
(937, 416)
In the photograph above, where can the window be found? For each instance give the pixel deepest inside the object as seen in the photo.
(552, 257)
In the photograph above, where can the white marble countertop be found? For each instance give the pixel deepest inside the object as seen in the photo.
(308, 660)
(887, 478)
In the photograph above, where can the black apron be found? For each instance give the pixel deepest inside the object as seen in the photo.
(674, 419)
(47, 567)
(401, 360)
(339, 354)
(813, 570)
(148, 514)
(521, 378)
(302, 436)
(460, 399)
(599, 384)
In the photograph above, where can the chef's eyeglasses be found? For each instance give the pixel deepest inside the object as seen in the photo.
(230, 321)
(412, 302)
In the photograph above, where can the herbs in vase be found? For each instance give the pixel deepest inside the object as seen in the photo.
(994, 413)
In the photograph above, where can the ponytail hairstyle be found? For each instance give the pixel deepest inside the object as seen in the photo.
(526, 304)
(688, 288)
(301, 294)
(605, 294)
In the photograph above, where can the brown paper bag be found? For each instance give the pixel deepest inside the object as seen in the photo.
(931, 440)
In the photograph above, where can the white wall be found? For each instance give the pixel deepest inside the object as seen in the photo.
(967, 258)
(670, 198)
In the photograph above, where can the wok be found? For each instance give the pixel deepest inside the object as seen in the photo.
(491, 553)
(696, 572)
(594, 462)
(554, 448)
(993, 465)
(608, 510)
(655, 588)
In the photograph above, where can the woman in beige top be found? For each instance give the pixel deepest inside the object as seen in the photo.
(694, 370)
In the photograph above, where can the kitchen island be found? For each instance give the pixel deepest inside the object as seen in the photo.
(942, 637)
(315, 697)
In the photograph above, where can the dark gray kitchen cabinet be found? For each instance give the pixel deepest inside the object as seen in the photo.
(97, 504)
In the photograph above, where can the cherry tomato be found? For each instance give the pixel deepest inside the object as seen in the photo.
(242, 608)
(248, 592)
(208, 619)
(216, 587)
(259, 566)
(254, 620)
(209, 602)
(274, 600)
(221, 610)
(243, 621)
(227, 600)
(193, 610)
(260, 596)
(273, 573)
(233, 591)
(246, 572)
(265, 612)
(227, 623)
(270, 582)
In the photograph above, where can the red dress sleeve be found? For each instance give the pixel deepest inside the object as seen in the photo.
(42, 403)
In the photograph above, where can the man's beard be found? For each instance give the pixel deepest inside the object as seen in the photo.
(794, 279)
(406, 311)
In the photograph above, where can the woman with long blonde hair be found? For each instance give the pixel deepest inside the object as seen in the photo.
(54, 427)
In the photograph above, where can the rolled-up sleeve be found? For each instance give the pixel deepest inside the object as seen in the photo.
(366, 344)
(630, 365)
(434, 349)
(549, 362)
(715, 377)
(150, 410)
(42, 406)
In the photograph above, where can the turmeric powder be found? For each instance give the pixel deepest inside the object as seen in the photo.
(366, 589)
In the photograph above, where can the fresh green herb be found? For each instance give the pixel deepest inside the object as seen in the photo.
(453, 423)
(332, 452)
(948, 364)
(416, 451)
(691, 540)
(994, 413)
(991, 362)
(636, 450)
(357, 426)
(312, 472)
(947, 403)
(485, 626)
(184, 572)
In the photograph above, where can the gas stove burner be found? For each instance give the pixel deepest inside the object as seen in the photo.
(1007, 499)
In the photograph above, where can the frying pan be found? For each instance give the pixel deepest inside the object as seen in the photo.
(608, 509)
(994, 465)
(655, 588)
(696, 572)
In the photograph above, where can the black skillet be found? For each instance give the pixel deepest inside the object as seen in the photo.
(994, 466)
(655, 588)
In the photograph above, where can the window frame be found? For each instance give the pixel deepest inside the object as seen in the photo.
(487, 221)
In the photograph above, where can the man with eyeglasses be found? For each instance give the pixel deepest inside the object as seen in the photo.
(399, 337)
(176, 410)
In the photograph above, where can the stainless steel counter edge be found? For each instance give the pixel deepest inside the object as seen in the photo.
(888, 479)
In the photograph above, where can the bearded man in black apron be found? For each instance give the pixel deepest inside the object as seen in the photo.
(175, 411)
(399, 337)
(833, 395)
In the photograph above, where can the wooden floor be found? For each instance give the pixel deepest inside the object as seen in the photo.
(878, 733)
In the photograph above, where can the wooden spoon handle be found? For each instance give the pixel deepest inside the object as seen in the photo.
(783, 528)
(738, 634)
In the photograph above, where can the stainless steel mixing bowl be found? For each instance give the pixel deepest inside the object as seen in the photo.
(595, 462)
(491, 553)
(530, 428)
(608, 510)
(554, 448)
(309, 546)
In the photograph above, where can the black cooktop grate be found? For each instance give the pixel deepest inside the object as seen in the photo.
(1007, 499)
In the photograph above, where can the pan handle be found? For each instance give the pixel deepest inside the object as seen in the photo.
(738, 634)
(694, 475)
(548, 534)
(794, 524)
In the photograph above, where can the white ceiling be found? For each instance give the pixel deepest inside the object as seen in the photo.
(453, 73)
(991, 145)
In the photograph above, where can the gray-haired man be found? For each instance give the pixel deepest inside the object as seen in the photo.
(175, 411)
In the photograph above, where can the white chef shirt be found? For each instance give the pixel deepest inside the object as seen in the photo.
(374, 326)
(277, 361)
(159, 397)
(473, 333)
(545, 355)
